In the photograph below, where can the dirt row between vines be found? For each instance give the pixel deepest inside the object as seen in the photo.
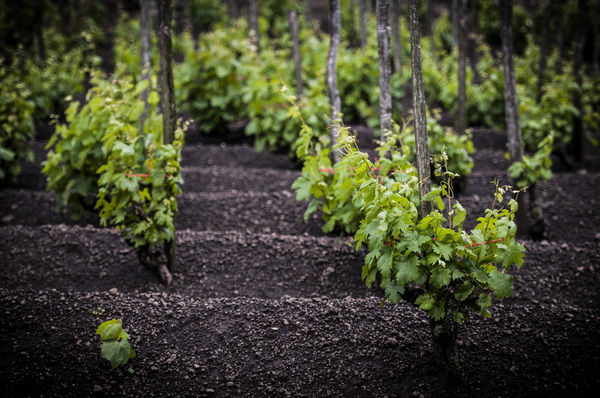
(265, 304)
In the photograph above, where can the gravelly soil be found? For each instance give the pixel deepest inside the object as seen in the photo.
(267, 305)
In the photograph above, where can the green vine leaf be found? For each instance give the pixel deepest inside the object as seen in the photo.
(501, 284)
(463, 291)
(393, 290)
(440, 277)
(511, 255)
(407, 269)
(118, 352)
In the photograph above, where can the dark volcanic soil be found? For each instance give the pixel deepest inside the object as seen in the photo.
(265, 305)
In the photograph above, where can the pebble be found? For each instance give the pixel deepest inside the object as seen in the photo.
(97, 388)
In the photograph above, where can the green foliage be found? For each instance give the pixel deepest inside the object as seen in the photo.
(76, 148)
(485, 100)
(115, 343)
(442, 33)
(554, 111)
(16, 124)
(591, 106)
(332, 187)
(205, 13)
(53, 82)
(268, 110)
(358, 85)
(535, 168)
(226, 81)
(322, 185)
(489, 25)
(457, 147)
(433, 262)
(208, 82)
(127, 48)
(137, 189)
(53, 86)
(139, 181)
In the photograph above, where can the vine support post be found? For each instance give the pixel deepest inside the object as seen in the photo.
(335, 106)
(353, 40)
(560, 41)
(543, 51)
(455, 21)
(596, 45)
(429, 25)
(397, 39)
(362, 11)
(297, 54)
(145, 42)
(383, 51)
(419, 106)
(253, 25)
(167, 93)
(461, 125)
(513, 119)
(444, 332)
(474, 29)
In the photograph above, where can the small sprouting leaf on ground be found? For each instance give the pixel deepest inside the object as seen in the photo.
(116, 351)
(115, 346)
(111, 332)
(104, 325)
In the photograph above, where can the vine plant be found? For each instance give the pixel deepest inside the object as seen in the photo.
(102, 158)
(430, 262)
(115, 343)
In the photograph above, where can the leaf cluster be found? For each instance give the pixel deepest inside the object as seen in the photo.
(139, 181)
(537, 167)
(331, 188)
(76, 148)
(458, 148)
(115, 343)
(432, 262)
(324, 185)
(16, 124)
(54, 80)
(208, 82)
(31, 91)
(226, 80)
(551, 110)
(103, 157)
